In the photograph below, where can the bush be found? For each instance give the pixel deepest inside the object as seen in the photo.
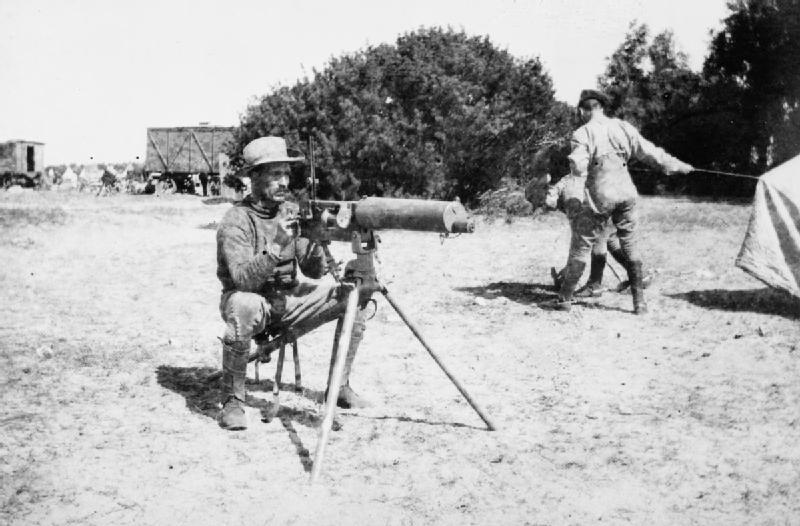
(507, 201)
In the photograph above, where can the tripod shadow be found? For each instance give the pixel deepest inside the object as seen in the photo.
(422, 421)
(203, 397)
(523, 293)
(760, 301)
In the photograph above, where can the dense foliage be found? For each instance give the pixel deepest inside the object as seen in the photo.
(439, 114)
(442, 114)
(740, 114)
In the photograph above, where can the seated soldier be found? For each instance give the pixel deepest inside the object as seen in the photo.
(258, 257)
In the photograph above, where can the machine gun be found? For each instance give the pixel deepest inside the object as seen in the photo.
(356, 222)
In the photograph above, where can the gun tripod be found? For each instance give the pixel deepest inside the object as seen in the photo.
(360, 277)
(360, 282)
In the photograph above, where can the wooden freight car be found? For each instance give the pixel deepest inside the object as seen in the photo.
(187, 154)
(21, 162)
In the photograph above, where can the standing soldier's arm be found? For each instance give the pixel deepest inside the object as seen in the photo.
(581, 155)
(647, 152)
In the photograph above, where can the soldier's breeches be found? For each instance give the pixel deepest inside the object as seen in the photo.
(302, 309)
(245, 314)
(587, 229)
(625, 221)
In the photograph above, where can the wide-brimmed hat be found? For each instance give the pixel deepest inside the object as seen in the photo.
(266, 150)
(599, 96)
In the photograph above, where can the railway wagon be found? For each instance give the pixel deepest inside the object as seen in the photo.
(187, 154)
(21, 162)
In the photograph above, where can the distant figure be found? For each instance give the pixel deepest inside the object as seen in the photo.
(204, 184)
(214, 187)
(165, 186)
(107, 183)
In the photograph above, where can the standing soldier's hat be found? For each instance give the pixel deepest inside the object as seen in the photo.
(588, 94)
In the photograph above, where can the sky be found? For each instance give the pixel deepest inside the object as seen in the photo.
(88, 77)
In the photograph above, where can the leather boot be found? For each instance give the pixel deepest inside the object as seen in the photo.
(348, 398)
(594, 287)
(558, 277)
(572, 275)
(234, 371)
(637, 288)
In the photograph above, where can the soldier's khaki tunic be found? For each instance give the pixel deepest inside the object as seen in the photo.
(601, 149)
(261, 291)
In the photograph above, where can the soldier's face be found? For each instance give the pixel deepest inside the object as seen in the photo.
(270, 182)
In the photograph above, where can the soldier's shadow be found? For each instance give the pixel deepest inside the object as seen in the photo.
(761, 301)
(523, 293)
(203, 397)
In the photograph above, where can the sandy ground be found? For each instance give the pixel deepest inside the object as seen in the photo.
(690, 415)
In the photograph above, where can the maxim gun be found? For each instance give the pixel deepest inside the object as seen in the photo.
(381, 213)
(323, 221)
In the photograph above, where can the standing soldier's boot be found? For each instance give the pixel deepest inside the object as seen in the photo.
(234, 371)
(348, 398)
(558, 277)
(572, 275)
(637, 288)
(594, 287)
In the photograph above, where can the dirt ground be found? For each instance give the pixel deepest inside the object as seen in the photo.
(109, 325)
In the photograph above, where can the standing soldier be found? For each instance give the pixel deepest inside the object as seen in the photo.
(259, 253)
(601, 149)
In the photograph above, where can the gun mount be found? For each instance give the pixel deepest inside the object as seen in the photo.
(356, 221)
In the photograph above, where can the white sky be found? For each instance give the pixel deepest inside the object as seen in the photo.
(87, 77)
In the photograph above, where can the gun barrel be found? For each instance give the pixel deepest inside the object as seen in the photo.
(381, 213)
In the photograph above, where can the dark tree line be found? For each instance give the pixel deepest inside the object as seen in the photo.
(739, 114)
(442, 114)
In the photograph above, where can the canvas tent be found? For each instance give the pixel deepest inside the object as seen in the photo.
(69, 178)
(771, 247)
(89, 176)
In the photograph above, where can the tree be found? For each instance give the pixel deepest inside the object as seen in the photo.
(439, 114)
(753, 68)
(651, 85)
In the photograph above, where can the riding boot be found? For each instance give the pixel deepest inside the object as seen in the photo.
(637, 288)
(234, 371)
(558, 277)
(572, 275)
(348, 398)
(594, 287)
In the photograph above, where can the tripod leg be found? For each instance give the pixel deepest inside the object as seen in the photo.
(438, 360)
(272, 411)
(336, 335)
(335, 381)
(298, 382)
(614, 271)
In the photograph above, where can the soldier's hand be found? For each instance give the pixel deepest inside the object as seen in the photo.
(290, 226)
(681, 168)
(282, 244)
